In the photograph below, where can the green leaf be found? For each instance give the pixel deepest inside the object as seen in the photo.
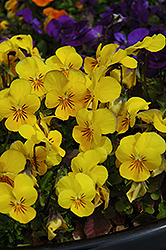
(162, 210)
(149, 209)
(115, 178)
(156, 195)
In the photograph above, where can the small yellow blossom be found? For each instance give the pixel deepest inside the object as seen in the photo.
(17, 201)
(52, 142)
(91, 126)
(155, 117)
(77, 194)
(131, 108)
(65, 93)
(11, 163)
(65, 58)
(33, 69)
(4, 25)
(36, 156)
(153, 44)
(55, 223)
(87, 163)
(139, 154)
(19, 107)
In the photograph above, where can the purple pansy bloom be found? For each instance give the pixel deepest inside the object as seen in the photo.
(71, 32)
(27, 15)
(136, 35)
(139, 13)
(89, 5)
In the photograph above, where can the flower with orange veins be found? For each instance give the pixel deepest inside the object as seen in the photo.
(77, 194)
(33, 69)
(19, 107)
(42, 3)
(36, 156)
(11, 163)
(52, 140)
(109, 56)
(101, 88)
(17, 201)
(65, 58)
(131, 108)
(139, 154)
(87, 163)
(65, 94)
(91, 63)
(91, 126)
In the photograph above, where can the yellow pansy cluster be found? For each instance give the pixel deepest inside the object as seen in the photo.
(88, 91)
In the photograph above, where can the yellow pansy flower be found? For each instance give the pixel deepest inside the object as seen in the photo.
(56, 222)
(65, 93)
(19, 107)
(108, 56)
(17, 201)
(155, 117)
(153, 44)
(87, 163)
(36, 160)
(4, 25)
(77, 194)
(65, 58)
(101, 88)
(52, 142)
(131, 108)
(128, 76)
(91, 126)
(103, 148)
(11, 163)
(33, 69)
(11, 6)
(139, 154)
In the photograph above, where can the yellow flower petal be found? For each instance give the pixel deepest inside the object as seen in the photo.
(106, 120)
(136, 174)
(13, 160)
(107, 89)
(83, 210)
(23, 217)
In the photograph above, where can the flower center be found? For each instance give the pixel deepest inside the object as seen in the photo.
(78, 200)
(137, 163)
(88, 131)
(6, 179)
(19, 206)
(19, 112)
(66, 101)
(37, 82)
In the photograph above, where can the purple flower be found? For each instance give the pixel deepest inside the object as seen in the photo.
(159, 10)
(89, 5)
(139, 13)
(27, 15)
(71, 32)
(136, 35)
(93, 36)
